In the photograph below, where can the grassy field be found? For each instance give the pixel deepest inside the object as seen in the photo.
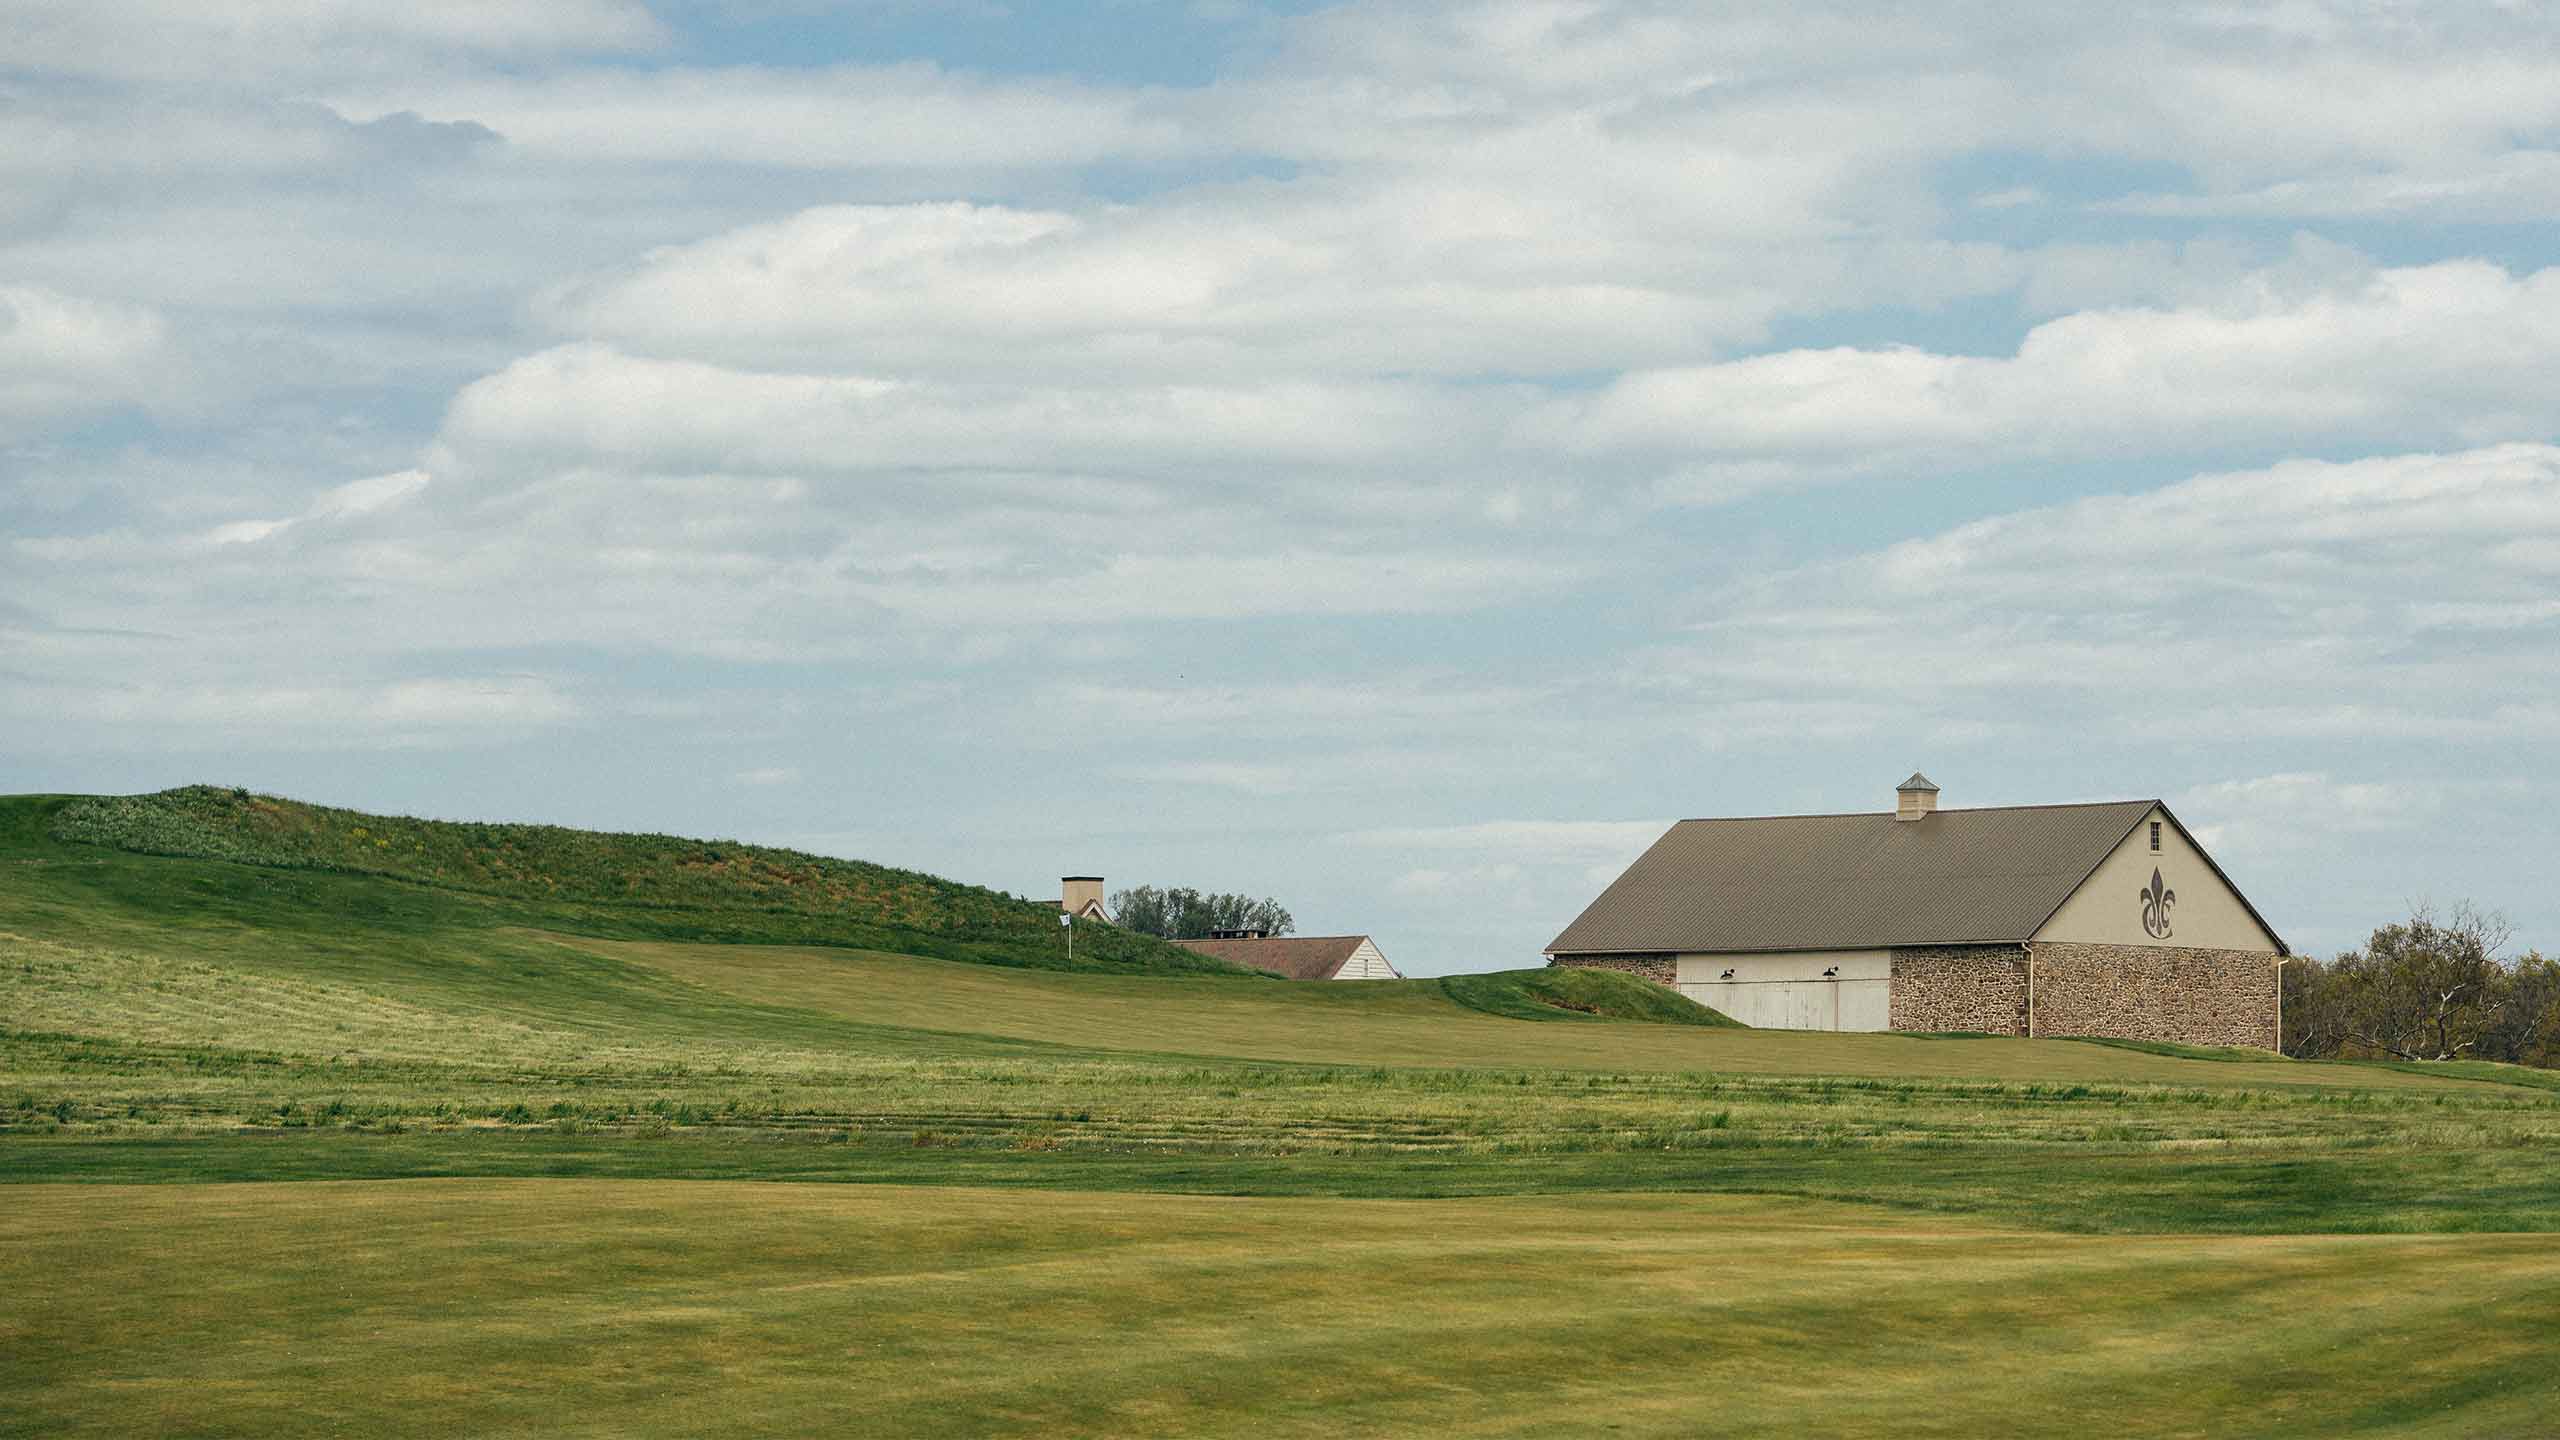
(623, 1308)
(704, 1162)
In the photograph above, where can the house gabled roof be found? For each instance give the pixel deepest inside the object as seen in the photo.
(1854, 882)
(1315, 957)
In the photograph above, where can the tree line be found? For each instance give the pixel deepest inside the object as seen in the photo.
(1182, 913)
(2427, 988)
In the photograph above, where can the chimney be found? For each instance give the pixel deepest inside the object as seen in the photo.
(1078, 893)
(1915, 798)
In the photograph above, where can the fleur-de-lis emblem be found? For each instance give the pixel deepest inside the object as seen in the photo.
(2155, 907)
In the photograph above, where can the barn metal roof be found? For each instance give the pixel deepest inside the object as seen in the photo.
(1311, 957)
(1853, 882)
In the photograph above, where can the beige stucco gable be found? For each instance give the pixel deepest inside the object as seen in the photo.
(2114, 906)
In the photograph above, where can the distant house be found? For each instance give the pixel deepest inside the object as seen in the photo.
(1081, 896)
(2104, 919)
(1320, 957)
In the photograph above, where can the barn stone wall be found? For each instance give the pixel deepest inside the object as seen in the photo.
(2133, 992)
(1659, 968)
(2157, 992)
(1960, 987)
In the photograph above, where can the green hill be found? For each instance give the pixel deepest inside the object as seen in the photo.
(657, 884)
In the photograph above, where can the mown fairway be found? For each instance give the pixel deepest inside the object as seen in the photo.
(567, 1145)
(621, 1308)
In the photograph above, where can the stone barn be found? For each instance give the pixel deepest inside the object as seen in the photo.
(2105, 919)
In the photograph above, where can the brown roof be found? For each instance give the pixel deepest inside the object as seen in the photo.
(1311, 957)
(1853, 882)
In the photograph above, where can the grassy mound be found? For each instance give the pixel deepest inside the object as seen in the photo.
(668, 885)
(1571, 993)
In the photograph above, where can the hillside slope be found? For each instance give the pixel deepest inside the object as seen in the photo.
(662, 884)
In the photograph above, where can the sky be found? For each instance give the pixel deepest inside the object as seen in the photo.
(1392, 458)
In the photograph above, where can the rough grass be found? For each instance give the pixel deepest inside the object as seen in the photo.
(585, 1308)
(713, 887)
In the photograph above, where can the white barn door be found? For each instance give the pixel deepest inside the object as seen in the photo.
(1809, 990)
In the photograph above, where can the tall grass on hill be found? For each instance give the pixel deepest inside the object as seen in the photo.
(849, 902)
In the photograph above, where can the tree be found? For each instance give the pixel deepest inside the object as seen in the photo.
(2426, 989)
(2526, 1029)
(1182, 913)
(2316, 1022)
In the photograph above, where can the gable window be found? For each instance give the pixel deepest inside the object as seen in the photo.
(2155, 837)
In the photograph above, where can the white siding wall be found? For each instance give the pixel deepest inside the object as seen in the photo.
(1366, 964)
(1788, 991)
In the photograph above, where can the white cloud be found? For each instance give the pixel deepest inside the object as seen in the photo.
(1872, 98)
(1251, 779)
(1597, 841)
(1408, 704)
(313, 713)
(590, 402)
(1533, 869)
(1224, 586)
(243, 41)
(2307, 599)
(846, 117)
(369, 495)
(62, 355)
(2492, 188)
(2451, 351)
(2305, 811)
(1320, 277)
(350, 501)
(1532, 875)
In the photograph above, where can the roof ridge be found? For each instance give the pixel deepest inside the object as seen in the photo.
(1225, 938)
(1887, 814)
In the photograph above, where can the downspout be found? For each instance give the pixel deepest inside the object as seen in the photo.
(2280, 1002)
(2030, 948)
